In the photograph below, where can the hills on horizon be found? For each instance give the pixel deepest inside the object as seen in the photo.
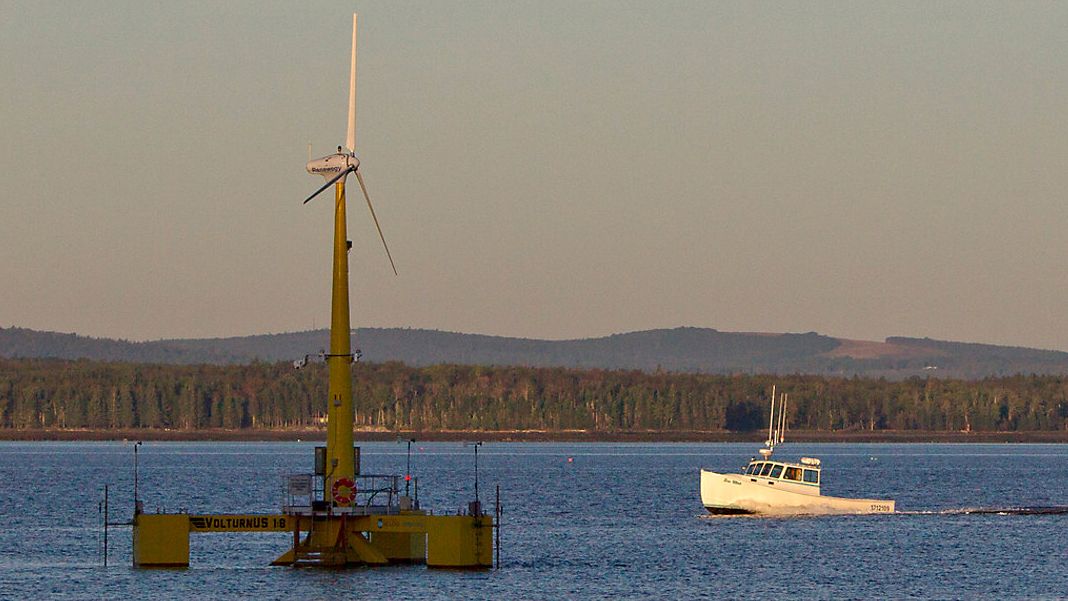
(684, 349)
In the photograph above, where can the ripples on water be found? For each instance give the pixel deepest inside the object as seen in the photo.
(620, 521)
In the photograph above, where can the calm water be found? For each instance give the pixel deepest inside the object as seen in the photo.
(620, 521)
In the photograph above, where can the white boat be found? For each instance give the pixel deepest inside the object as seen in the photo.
(772, 487)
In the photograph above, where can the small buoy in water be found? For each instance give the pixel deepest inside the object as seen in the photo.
(571, 460)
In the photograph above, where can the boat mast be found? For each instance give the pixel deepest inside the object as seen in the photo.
(771, 420)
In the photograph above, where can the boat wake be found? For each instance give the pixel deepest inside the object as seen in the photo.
(1054, 510)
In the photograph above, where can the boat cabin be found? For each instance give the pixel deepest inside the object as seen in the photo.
(806, 472)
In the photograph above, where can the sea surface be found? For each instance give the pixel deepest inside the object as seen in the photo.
(581, 521)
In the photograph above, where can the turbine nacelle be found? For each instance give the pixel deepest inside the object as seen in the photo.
(332, 165)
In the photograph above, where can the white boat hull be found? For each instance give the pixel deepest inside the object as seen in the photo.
(742, 494)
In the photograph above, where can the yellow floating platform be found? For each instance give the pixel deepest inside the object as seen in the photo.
(329, 539)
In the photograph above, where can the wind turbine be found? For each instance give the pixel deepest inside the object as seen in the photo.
(339, 484)
(336, 167)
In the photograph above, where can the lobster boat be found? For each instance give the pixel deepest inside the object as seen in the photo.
(771, 487)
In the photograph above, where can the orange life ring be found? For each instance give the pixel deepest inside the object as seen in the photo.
(343, 491)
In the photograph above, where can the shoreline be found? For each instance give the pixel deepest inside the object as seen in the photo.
(249, 435)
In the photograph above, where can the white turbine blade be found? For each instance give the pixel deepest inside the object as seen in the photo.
(350, 137)
(359, 178)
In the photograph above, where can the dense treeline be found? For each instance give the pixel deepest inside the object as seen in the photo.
(41, 393)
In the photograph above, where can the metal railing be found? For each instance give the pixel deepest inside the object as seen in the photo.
(378, 493)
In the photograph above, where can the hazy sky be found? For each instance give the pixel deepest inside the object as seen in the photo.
(541, 169)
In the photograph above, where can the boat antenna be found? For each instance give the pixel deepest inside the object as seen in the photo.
(771, 420)
(779, 417)
(782, 418)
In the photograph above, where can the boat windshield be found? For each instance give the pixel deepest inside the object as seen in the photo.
(775, 471)
(752, 468)
(812, 476)
(766, 469)
(792, 473)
